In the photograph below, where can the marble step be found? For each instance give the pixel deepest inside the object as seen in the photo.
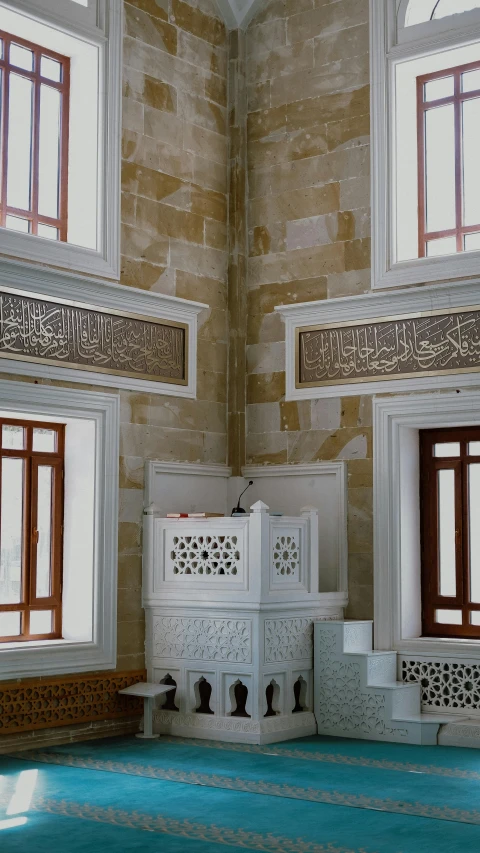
(463, 732)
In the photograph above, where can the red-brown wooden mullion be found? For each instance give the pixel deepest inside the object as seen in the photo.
(54, 598)
(32, 459)
(6, 113)
(458, 161)
(422, 213)
(457, 99)
(32, 215)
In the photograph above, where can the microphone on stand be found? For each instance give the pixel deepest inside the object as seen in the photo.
(238, 508)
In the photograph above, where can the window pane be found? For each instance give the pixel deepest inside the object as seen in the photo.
(475, 617)
(47, 231)
(11, 529)
(474, 448)
(441, 88)
(44, 527)
(452, 7)
(44, 440)
(51, 69)
(21, 57)
(13, 437)
(40, 621)
(9, 624)
(446, 532)
(471, 81)
(440, 168)
(1, 48)
(474, 528)
(19, 142)
(471, 172)
(449, 449)
(443, 246)
(17, 224)
(472, 242)
(49, 152)
(449, 617)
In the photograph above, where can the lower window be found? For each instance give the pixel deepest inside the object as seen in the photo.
(450, 530)
(31, 530)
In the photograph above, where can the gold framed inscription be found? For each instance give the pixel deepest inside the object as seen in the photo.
(87, 337)
(426, 344)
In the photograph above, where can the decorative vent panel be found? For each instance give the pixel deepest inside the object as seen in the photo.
(445, 684)
(207, 555)
(67, 701)
(286, 556)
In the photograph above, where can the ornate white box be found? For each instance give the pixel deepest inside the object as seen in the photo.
(230, 605)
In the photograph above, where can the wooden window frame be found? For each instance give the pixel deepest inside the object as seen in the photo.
(457, 99)
(33, 460)
(32, 215)
(429, 467)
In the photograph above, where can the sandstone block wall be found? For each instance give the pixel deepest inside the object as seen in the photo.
(309, 235)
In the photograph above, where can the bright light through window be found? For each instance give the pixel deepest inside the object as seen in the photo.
(448, 125)
(34, 116)
(24, 789)
(21, 799)
(420, 11)
(444, 8)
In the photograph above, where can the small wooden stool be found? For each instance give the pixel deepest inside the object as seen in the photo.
(148, 692)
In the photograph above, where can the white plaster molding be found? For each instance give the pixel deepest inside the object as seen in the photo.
(397, 604)
(154, 470)
(60, 657)
(73, 289)
(420, 40)
(373, 306)
(100, 22)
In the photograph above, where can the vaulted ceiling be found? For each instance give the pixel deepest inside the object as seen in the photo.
(238, 13)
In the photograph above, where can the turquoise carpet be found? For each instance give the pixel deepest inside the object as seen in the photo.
(315, 795)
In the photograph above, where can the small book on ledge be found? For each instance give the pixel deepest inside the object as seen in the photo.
(195, 515)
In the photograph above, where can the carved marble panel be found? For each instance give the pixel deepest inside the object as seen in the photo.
(205, 555)
(395, 348)
(288, 639)
(192, 638)
(286, 555)
(91, 338)
(445, 684)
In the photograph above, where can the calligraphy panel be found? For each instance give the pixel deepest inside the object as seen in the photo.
(94, 339)
(397, 348)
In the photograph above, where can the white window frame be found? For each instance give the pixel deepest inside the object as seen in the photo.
(101, 24)
(390, 46)
(58, 657)
(397, 562)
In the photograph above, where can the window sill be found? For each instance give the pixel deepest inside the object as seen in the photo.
(52, 657)
(446, 646)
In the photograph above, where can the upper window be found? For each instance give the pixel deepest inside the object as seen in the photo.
(31, 523)
(60, 133)
(419, 11)
(426, 124)
(448, 127)
(450, 506)
(34, 121)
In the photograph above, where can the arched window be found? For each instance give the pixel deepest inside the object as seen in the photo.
(420, 11)
(426, 121)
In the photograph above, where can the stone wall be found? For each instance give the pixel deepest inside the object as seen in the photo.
(174, 241)
(309, 235)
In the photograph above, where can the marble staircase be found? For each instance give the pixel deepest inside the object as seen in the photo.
(356, 692)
